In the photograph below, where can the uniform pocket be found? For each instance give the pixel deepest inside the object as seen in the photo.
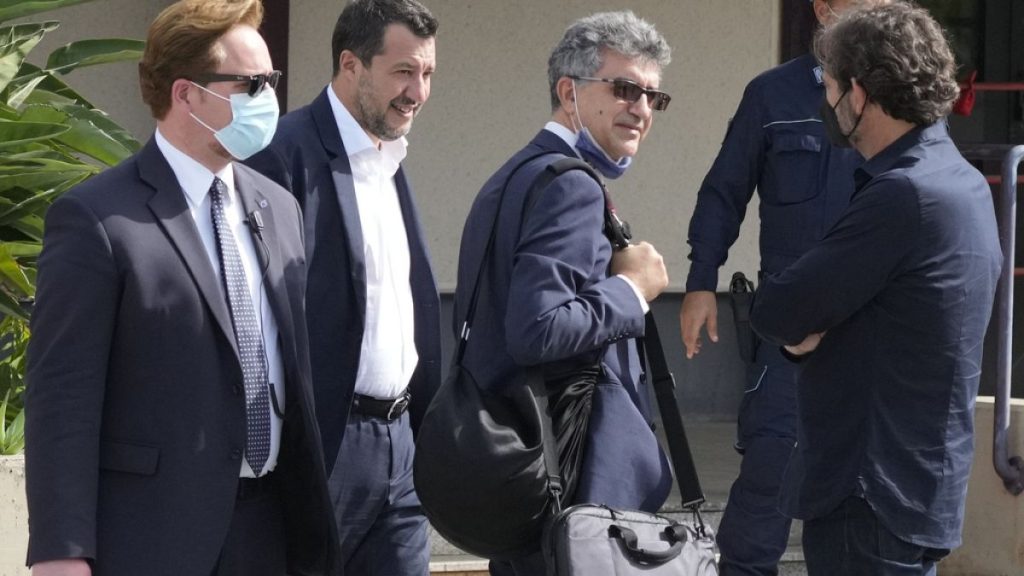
(791, 168)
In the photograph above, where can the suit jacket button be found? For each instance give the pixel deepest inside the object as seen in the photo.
(236, 454)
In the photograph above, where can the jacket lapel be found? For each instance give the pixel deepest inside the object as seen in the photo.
(169, 206)
(341, 174)
(268, 252)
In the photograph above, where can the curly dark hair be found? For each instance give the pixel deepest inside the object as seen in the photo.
(900, 56)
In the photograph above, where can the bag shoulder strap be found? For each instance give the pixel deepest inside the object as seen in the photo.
(665, 391)
(554, 169)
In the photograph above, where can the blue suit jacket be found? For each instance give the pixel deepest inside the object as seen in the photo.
(308, 158)
(546, 298)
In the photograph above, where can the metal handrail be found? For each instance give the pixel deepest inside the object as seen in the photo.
(1010, 469)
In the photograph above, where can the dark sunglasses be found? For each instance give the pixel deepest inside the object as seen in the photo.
(631, 91)
(256, 81)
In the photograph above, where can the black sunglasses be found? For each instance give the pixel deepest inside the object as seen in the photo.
(256, 81)
(631, 91)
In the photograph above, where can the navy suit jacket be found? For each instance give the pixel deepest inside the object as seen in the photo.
(547, 299)
(135, 423)
(307, 157)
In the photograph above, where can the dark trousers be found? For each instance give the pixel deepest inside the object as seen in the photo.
(753, 533)
(851, 541)
(383, 531)
(255, 545)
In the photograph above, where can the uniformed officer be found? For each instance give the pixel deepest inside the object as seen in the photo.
(776, 144)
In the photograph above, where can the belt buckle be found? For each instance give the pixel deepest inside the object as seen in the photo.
(397, 407)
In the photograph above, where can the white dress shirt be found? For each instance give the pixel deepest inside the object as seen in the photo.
(387, 357)
(195, 180)
(571, 138)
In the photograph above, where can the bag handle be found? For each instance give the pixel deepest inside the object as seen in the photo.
(643, 556)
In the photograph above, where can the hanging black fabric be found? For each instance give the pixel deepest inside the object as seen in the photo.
(482, 475)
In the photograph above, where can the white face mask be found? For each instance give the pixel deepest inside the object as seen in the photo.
(253, 122)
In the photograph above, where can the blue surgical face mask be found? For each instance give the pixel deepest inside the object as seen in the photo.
(593, 153)
(252, 126)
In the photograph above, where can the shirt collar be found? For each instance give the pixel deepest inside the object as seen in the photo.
(356, 140)
(562, 132)
(884, 160)
(194, 178)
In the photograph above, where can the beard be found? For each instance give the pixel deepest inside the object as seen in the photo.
(373, 117)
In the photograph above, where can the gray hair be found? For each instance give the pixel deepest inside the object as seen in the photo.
(581, 50)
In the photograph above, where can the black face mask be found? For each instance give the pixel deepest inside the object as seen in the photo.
(835, 133)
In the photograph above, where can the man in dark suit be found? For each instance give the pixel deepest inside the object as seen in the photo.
(170, 424)
(371, 299)
(555, 294)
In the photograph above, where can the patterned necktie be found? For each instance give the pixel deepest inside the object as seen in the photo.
(247, 334)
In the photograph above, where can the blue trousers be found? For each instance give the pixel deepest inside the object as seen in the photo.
(382, 530)
(850, 541)
(753, 533)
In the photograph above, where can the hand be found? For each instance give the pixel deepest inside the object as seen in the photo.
(699, 309)
(642, 264)
(809, 344)
(69, 567)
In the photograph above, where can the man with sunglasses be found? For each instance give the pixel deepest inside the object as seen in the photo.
(776, 144)
(555, 293)
(372, 303)
(170, 426)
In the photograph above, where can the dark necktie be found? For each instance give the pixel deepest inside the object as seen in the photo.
(247, 334)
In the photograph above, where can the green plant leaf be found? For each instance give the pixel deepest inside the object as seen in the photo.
(14, 133)
(15, 43)
(11, 9)
(30, 227)
(93, 133)
(12, 435)
(50, 89)
(94, 51)
(34, 205)
(12, 275)
(9, 306)
(24, 249)
(18, 91)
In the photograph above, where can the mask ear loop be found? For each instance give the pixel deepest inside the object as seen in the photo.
(576, 107)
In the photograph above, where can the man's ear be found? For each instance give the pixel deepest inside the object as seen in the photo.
(859, 98)
(348, 62)
(566, 95)
(822, 12)
(180, 93)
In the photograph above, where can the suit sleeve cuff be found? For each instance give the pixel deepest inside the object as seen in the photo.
(639, 295)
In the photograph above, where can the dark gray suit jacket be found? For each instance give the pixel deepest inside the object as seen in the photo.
(135, 411)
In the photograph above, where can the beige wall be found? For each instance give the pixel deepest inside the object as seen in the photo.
(490, 97)
(114, 88)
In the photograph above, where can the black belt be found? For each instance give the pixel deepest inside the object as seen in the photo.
(386, 409)
(253, 487)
